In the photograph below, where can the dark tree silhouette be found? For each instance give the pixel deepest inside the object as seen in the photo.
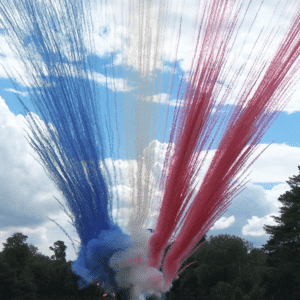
(224, 267)
(59, 251)
(16, 252)
(7, 280)
(25, 273)
(283, 247)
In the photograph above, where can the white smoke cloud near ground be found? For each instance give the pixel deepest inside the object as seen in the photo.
(133, 270)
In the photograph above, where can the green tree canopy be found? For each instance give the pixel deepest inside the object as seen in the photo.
(283, 280)
(59, 251)
(16, 251)
(224, 267)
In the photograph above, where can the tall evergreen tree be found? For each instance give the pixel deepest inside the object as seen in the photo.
(283, 279)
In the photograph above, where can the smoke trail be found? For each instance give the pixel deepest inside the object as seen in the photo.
(187, 213)
(143, 55)
(54, 40)
(50, 39)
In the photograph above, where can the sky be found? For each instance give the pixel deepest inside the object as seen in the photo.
(27, 195)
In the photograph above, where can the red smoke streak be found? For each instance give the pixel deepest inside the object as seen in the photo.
(193, 127)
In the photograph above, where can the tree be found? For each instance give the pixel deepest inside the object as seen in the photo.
(33, 250)
(283, 257)
(16, 252)
(224, 267)
(16, 255)
(221, 291)
(16, 240)
(7, 280)
(59, 251)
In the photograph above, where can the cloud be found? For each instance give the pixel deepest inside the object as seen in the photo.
(23, 94)
(251, 201)
(115, 84)
(252, 209)
(27, 194)
(43, 236)
(276, 164)
(223, 223)
(124, 184)
(255, 225)
(273, 194)
(294, 104)
(9, 62)
(164, 99)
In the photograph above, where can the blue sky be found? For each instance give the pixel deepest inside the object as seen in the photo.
(27, 195)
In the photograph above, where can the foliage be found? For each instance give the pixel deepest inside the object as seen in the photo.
(7, 280)
(16, 252)
(282, 280)
(27, 274)
(225, 267)
(59, 251)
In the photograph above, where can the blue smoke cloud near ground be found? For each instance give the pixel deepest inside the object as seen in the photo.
(92, 264)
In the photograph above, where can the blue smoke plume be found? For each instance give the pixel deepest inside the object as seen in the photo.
(70, 134)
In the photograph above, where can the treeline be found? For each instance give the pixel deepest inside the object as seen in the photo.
(223, 268)
(26, 274)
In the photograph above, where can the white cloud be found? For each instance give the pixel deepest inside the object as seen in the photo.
(276, 164)
(273, 195)
(294, 104)
(254, 200)
(27, 194)
(25, 189)
(24, 94)
(164, 99)
(255, 225)
(223, 223)
(115, 84)
(9, 64)
(124, 185)
(252, 209)
(45, 235)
